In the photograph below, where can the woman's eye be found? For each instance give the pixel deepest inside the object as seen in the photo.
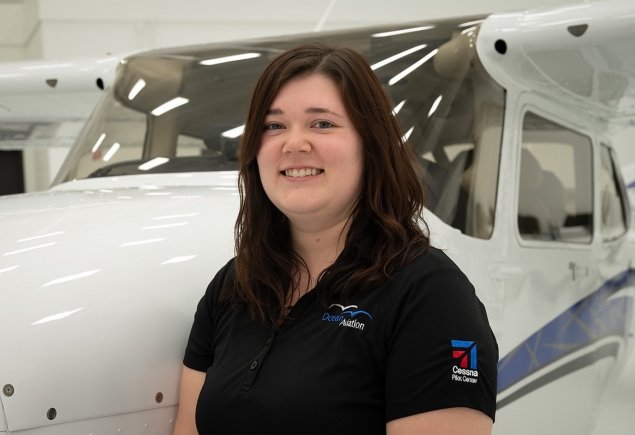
(323, 124)
(273, 126)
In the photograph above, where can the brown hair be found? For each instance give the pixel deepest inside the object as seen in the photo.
(385, 229)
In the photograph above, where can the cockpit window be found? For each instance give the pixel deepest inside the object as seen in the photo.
(555, 192)
(182, 110)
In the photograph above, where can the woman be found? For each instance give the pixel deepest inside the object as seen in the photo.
(336, 316)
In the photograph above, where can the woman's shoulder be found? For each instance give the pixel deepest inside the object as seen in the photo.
(430, 276)
(432, 289)
(223, 276)
(432, 262)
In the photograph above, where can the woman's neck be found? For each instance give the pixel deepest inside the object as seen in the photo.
(319, 248)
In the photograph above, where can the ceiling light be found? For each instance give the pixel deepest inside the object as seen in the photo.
(99, 141)
(398, 107)
(111, 152)
(234, 132)
(412, 67)
(136, 89)
(226, 59)
(402, 31)
(435, 105)
(150, 164)
(169, 105)
(396, 57)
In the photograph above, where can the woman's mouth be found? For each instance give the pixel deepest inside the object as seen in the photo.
(302, 172)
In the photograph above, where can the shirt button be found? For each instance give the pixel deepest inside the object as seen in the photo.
(253, 365)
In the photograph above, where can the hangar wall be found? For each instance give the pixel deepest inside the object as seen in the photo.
(59, 29)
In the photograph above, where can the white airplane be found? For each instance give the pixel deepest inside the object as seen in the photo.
(100, 275)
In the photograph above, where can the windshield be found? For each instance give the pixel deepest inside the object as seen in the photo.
(182, 110)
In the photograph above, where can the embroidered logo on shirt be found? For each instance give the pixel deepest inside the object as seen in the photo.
(348, 316)
(464, 356)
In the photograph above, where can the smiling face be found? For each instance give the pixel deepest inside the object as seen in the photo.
(311, 157)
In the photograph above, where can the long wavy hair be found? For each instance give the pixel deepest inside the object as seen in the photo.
(385, 230)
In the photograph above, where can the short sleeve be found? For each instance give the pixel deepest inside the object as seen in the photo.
(199, 352)
(442, 352)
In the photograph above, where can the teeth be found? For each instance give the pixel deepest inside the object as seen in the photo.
(304, 172)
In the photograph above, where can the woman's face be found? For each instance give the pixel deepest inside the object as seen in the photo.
(311, 157)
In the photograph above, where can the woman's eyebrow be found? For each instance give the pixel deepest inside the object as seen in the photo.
(274, 111)
(278, 111)
(321, 110)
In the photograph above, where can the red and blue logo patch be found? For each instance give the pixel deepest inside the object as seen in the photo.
(464, 358)
(464, 354)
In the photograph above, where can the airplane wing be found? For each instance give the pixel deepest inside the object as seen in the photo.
(582, 53)
(51, 90)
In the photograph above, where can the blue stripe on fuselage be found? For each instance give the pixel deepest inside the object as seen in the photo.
(591, 319)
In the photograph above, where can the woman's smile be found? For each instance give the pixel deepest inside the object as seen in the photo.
(302, 172)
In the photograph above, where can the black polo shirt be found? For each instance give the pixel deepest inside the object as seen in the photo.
(418, 342)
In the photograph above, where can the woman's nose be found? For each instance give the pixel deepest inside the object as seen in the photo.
(296, 142)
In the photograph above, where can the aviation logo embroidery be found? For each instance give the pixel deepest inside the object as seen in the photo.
(464, 356)
(349, 316)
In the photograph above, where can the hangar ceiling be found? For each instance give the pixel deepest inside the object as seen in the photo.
(18, 23)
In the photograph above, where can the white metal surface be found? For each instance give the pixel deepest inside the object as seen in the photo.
(594, 71)
(46, 90)
(99, 289)
(37, 77)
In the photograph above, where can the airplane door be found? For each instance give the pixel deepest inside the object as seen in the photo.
(548, 381)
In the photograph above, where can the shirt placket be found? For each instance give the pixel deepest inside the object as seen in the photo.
(255, 365)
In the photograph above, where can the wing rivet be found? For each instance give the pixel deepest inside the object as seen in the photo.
(158, 397)
(8, 390)
(51, 413)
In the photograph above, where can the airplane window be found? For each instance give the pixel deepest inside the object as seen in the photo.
(109, 141)
(612, 198)
(555, 197)
(452, 113)
(183, 110)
